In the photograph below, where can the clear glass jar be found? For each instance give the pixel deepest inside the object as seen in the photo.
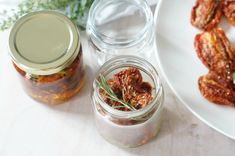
(123, 27)
(131, 128)
(47, 53)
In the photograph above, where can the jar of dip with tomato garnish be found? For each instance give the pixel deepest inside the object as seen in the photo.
(46, 52)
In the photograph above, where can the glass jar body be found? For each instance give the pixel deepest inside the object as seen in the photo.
(131, 128)
(55, 88)
(129, 132)
(114, 33)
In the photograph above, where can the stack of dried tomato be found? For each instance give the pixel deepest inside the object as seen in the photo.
(215, 50)
(128, 85)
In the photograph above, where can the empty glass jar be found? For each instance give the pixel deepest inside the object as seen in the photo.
(128, 128)
(120, 27)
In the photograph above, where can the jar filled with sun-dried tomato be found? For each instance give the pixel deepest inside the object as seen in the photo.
(127, 101)
(46, 51)
(123, 27)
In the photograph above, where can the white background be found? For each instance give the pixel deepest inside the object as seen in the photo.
(28, 128)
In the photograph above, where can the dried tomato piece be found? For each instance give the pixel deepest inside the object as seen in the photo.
(115, 87)
(126, 80)
(216, 53)
(145, 87)
(215, 92)
(129, 76)
(229, 10)
(206, 14)
(141, 100)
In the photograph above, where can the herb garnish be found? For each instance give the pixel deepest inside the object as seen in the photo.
(76, 10)
(111, 95)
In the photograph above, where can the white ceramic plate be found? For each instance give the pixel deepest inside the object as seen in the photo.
(181, 66)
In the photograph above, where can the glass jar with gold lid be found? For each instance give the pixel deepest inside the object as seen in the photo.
(46, 51)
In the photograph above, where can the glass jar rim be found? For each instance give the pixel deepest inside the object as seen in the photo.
(116, 42)
(128, 60)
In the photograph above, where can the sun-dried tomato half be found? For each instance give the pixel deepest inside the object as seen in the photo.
(129, 76)
(212, 46)
(216, 53)
(206, 14)
(215, 92)
(229, 10)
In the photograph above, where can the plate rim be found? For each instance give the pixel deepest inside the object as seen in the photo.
(156, 13)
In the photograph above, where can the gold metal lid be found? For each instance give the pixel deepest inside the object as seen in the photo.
(44, 42)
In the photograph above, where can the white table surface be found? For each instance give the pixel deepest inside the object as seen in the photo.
(28, 128)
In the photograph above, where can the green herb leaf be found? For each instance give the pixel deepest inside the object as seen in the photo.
(76, 10)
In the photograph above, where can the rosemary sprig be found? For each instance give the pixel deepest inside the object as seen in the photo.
(111, 95)
(76, 10)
